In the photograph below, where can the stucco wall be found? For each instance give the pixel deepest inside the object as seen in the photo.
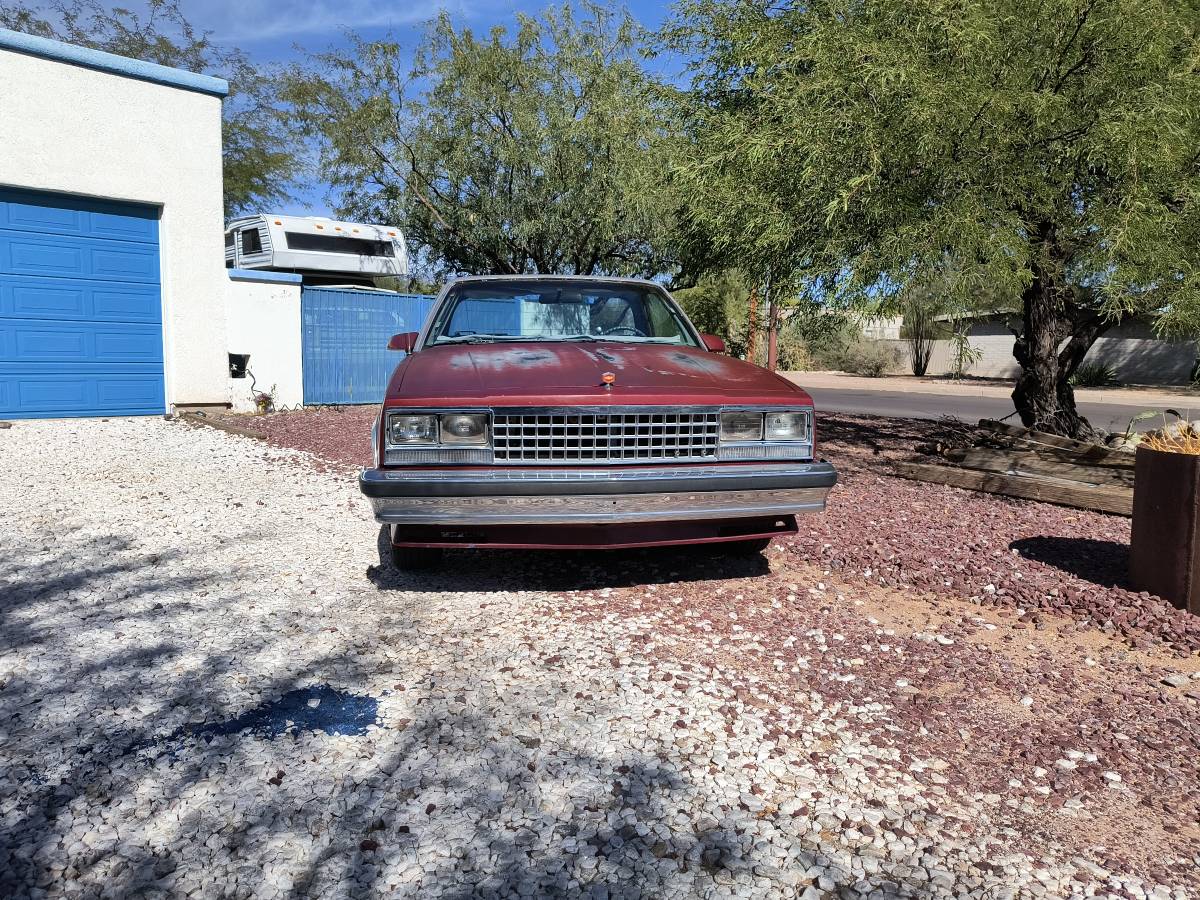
(75, 130)
(1133, 350)
(263, 320)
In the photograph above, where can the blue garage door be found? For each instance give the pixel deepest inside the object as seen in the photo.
(344, 336)
(80, 307)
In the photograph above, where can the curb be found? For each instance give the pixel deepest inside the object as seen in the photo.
(222, 426)
(1149, 400)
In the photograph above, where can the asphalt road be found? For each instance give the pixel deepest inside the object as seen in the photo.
(1111, 417)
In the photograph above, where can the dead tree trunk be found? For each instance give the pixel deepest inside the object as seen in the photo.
(752, 331)
(772, 331)
(1056, 333)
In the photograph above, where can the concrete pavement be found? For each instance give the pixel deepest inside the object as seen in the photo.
(1110, 408)
(1142, 397)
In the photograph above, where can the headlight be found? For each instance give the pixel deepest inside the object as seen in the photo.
(465, 428)
(786, 426)
(405, 429)
(741, 426)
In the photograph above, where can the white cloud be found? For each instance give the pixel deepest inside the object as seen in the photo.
(248, 21)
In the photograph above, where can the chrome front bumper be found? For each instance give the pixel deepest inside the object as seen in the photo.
(600, 496)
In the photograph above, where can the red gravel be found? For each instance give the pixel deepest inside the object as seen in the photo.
(957, 699)
(956, 543)
(339, 434)
(889, 531)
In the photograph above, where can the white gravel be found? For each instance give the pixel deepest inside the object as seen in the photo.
(160, 581)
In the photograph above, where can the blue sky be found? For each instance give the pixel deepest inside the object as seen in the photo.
(270, 30)
(275, 32)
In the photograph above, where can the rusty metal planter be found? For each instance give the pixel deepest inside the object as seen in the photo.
(1165, 548)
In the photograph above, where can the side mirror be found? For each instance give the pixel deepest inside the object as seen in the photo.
(713, 343)
(404, 342)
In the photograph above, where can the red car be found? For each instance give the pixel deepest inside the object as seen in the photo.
(564, 412)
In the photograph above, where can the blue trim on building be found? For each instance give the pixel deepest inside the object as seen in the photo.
(110, 62)
(263, 275)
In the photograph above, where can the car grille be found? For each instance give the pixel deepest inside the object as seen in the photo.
(562, 437)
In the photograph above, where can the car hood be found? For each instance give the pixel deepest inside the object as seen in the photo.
(542, 373)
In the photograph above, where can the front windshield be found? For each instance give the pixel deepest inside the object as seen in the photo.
(482, 311)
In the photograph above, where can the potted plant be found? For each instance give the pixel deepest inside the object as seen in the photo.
(1164, 554)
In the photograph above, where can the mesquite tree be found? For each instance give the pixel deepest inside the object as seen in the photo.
(516, 151)
(1050, 147)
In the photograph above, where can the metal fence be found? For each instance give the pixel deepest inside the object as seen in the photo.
(344, 335)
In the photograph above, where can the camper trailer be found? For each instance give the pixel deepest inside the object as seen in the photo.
(324, 251)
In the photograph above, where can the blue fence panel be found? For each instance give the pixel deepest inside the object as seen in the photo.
(344, 336)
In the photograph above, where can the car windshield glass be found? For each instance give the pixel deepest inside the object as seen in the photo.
(479, 312)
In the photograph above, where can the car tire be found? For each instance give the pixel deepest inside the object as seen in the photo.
(413, 559)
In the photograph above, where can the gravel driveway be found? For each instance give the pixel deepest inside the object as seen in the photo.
(211, 686)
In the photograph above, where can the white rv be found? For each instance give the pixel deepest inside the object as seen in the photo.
(321, 249)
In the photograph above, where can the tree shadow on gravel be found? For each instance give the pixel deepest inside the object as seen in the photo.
(876, 433)
(1103, 563)
(497, 832)
(85, 687)
(482, 790)
(495, 812)
(563, 570)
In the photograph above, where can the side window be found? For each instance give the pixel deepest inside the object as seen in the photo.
(662, 323)
(251, 242)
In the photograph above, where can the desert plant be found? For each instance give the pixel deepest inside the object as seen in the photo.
(862, 357)
(794, 354)
(1185, 439)
(921, 329)
(1094, 375)
(965, 354)
(1181, 436)
(264, 401)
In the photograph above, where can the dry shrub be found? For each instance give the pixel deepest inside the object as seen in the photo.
(1181, 437)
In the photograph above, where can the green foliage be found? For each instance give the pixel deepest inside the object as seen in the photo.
(965, 354)
(1049, 146)
(718, 304)
(1094, 375)
(521, 151)
(261, 159)
(928, 126)
(813, 336)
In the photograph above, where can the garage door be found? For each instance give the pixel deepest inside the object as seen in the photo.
(80, 307)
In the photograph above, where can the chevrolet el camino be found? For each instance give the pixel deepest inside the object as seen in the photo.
(563, 412)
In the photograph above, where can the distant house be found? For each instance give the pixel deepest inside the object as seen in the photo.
(882, 328)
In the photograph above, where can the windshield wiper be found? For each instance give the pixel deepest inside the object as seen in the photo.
(476, 338)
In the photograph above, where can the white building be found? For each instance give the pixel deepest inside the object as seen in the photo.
(112, 281)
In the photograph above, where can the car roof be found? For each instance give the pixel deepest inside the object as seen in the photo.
(597, 279)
